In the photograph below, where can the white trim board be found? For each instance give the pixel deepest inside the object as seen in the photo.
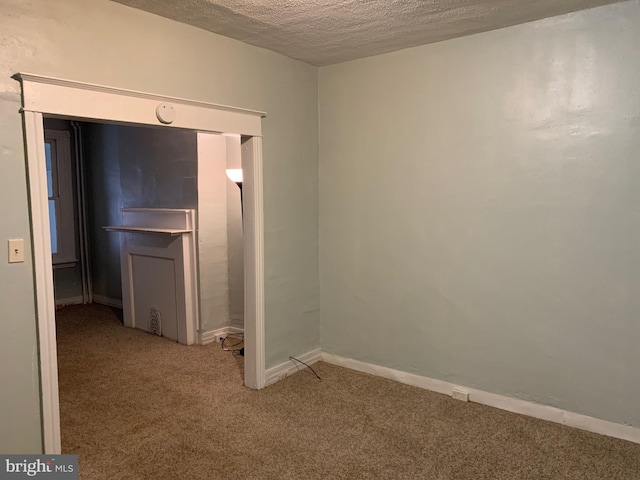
(283, 370)
(515, 405)
(68, 98)
(109, 302)
(210, 336)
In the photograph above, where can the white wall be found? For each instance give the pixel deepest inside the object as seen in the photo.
(102, 42)
(479, 218)
(213, 264)
(235, 240)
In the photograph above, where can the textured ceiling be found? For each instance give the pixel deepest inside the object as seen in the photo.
(325, 32)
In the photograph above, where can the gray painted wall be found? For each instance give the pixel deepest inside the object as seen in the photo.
(104, 201)
(103, 42)
(67, 284)
(479, 217)
(158, 167)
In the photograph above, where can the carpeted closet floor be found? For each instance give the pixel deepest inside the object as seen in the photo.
(135, 406)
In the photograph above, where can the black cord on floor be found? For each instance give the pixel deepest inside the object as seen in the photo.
(308, 366)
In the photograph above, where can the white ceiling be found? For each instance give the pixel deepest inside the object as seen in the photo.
(324, 32)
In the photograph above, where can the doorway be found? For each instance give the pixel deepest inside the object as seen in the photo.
(81, 101)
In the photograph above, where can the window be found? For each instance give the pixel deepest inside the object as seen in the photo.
(57, 149)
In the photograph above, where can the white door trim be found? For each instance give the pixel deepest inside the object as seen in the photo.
(56, 96)
(43, 273)
(253, 221)
(53, 96)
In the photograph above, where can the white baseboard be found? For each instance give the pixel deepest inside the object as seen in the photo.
(70, 301)
(109, 302)
(210, 336)
(516, 405)
(290, 367)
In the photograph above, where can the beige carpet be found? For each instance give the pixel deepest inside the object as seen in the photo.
(135, 406)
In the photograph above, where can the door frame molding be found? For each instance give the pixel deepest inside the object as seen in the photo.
(43, 95)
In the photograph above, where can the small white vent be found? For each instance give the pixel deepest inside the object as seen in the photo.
(155, 321)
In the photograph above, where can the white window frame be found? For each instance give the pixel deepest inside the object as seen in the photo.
(63, 192)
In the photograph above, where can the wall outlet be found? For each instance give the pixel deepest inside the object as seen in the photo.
(460, 394)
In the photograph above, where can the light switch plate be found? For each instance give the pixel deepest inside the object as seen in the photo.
(16, 250)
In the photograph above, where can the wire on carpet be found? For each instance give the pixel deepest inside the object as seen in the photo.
(306, 365)
(230, 348)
